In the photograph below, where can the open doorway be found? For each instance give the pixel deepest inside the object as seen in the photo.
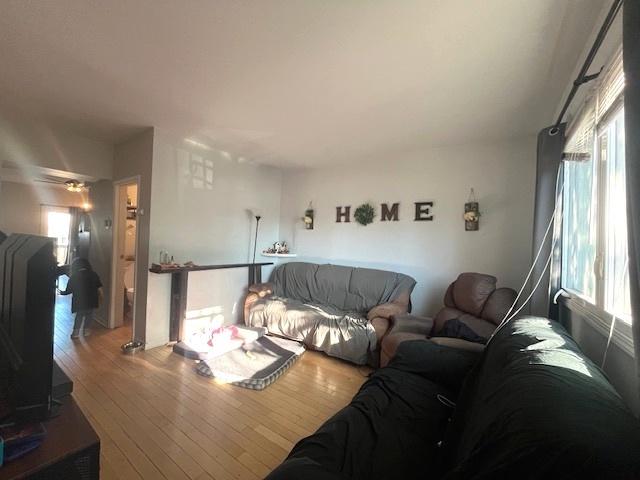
(125, 248)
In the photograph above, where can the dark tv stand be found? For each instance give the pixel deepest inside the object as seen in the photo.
(61, 385)
(70, 450)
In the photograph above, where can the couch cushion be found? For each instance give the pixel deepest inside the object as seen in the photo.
(391, 342)
(439, 363)
(346, 335)
(536, 407)
(448, 296)
(445, 314)
(471, 291)
(294, 280)
(498, 305)
(478, 325)
(344, 288)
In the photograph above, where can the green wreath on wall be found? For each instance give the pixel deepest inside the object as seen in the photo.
(364, 214)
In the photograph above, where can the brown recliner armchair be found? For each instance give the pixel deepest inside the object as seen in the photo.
(473, 299)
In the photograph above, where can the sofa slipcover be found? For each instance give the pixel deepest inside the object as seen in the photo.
(342, 311)
(531, 405)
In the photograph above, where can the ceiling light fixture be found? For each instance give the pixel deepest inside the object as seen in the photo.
(75, 186)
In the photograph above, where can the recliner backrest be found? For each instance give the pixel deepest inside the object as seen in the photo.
(498, 304)
(474, 299)
(471, 291)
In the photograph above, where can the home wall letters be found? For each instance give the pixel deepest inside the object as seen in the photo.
(423, 212)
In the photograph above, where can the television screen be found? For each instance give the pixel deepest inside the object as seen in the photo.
(27, 305)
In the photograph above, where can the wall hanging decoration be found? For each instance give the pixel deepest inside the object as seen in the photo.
(364, 214)
(471, 213)
(389, 214)
(343, 214)
(423, 212)
(308, 217)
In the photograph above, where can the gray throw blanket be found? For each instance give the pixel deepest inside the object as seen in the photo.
(346, 335)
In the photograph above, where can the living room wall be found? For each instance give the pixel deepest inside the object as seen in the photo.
(134, 158)
(204, 201)
(21, 205)
(101, 195)
(433, 252)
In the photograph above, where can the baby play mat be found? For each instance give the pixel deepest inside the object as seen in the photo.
(255, 365)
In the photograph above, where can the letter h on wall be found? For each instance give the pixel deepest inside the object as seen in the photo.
(343, 213)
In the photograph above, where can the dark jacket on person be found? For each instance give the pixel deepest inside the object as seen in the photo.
(83, 284)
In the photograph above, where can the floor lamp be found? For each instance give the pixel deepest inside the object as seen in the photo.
(255, 242)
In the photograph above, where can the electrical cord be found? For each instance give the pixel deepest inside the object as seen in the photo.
(535, 261)
(625, 271)
(509, 316)
(546, 266)
(542, 243)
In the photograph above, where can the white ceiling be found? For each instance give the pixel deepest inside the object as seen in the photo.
(295, 83)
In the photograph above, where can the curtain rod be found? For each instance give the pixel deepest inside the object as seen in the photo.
(582, 77)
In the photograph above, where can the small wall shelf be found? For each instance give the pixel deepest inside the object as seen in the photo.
(280, 255)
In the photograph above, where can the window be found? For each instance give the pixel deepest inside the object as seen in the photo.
(56, 224)
(614, 264)
(594, 237)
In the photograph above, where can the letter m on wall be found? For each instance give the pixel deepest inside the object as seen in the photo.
(390, 214)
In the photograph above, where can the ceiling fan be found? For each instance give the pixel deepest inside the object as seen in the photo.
(72, 185)
(76, 186)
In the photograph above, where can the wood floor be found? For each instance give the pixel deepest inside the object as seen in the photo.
(157, 418)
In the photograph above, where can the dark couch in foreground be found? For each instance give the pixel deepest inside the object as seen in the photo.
(530, 406)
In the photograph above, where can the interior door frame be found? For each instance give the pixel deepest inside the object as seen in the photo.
(115, 253)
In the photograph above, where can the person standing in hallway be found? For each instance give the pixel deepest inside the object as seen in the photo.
(85, 286)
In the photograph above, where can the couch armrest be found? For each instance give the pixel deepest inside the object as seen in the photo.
(408, 323)
(257, 291)
(262, 289)
(387, 310)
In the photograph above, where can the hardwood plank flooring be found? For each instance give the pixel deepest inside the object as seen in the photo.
(158, 419)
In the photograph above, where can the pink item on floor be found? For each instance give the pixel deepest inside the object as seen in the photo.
(223, 335)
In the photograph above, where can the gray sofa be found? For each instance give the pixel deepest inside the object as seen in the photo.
(342, 311)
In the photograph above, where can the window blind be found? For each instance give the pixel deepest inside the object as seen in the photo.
(581, 133)
(610, 87)
(600, 102)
